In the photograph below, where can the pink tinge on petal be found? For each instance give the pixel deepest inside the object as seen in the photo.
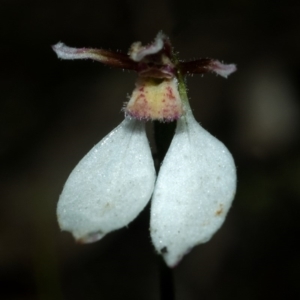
(155, 100)
(221, 69)
(65, 52)
(90, 238)
(106, 57)
(205, 65)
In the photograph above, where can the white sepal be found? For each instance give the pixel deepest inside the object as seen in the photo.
(193, 193)
(110, 186)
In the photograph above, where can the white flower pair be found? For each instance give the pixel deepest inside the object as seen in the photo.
(113, 183)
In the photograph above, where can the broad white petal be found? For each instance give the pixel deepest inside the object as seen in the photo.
(110, 186)
(193, 193)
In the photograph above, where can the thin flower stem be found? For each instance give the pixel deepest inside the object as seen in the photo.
(167, 291)
(163, 134)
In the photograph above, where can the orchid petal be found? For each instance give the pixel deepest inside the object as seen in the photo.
(137, 52)
(106, 57)
(110, 186)
(193, 193)
(204, 65)
(221, 69)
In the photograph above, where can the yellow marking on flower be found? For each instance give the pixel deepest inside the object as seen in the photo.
(155, 99)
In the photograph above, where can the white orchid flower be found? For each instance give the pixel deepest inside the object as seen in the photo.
(113, 183)
(110, 186)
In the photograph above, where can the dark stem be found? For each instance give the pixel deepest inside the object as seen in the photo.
(167, 291)
(163, 134)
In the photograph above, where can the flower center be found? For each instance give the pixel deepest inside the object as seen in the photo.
(155, 99)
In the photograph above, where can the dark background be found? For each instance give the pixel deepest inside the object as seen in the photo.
(52, 112)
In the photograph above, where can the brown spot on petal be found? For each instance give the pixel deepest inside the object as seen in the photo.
(91, 237)
(220, 210)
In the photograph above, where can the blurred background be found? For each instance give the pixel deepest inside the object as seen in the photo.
(52, 112)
